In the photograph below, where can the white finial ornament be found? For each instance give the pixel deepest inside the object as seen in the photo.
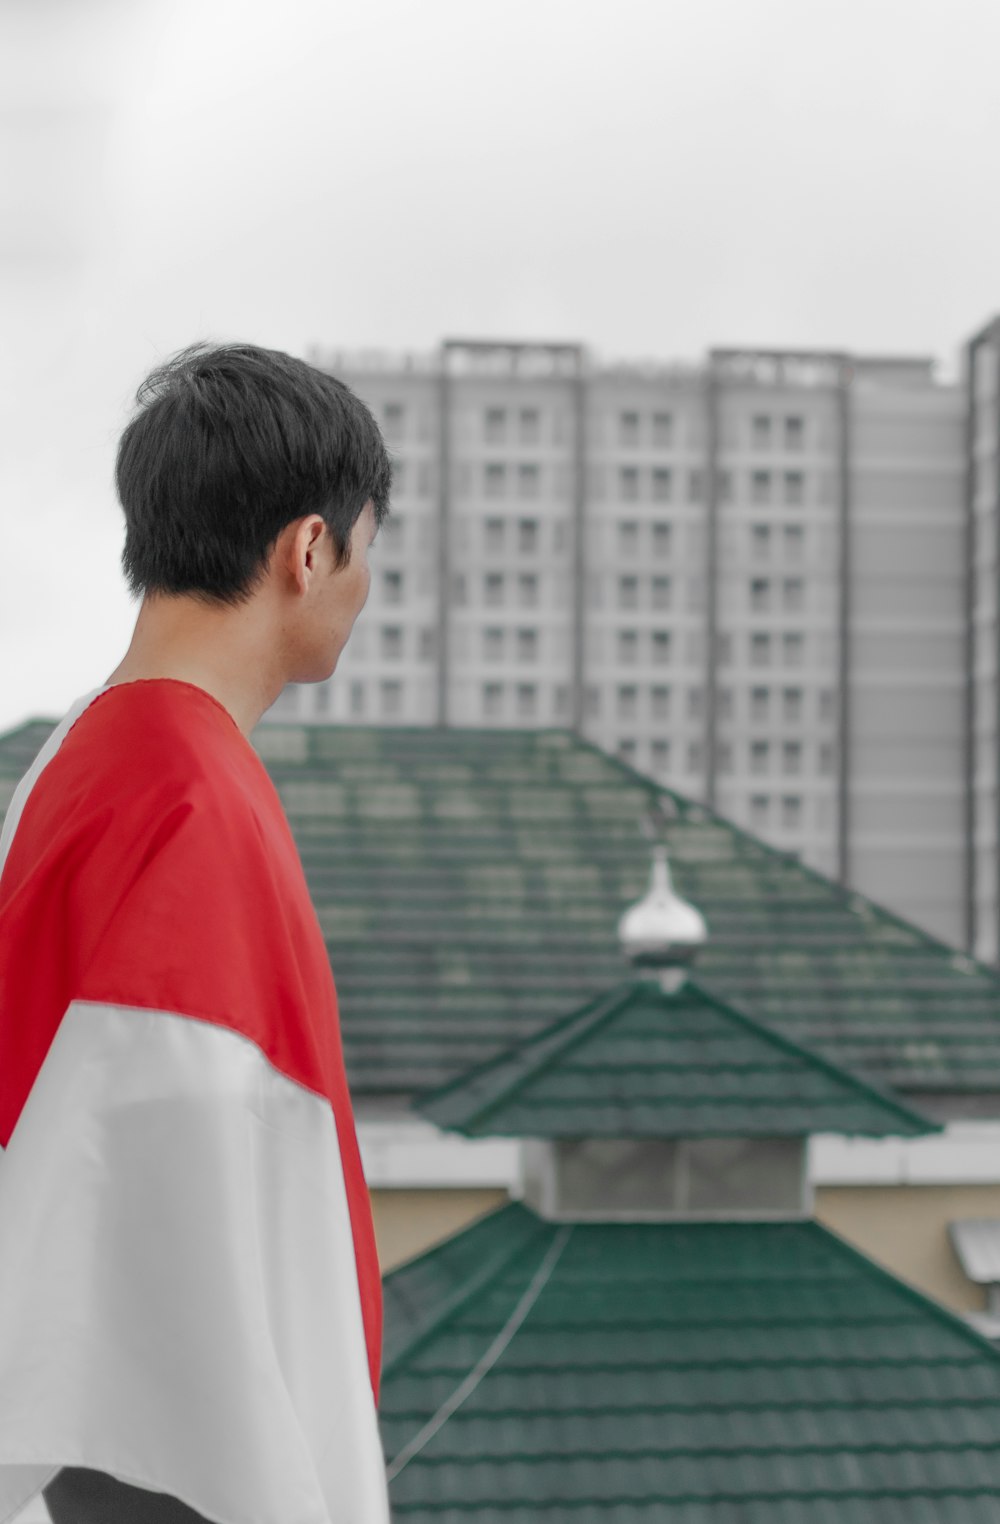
(662, 931)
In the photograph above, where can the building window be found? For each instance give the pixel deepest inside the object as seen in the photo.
(560, 699)
(661, 592)
(661, 647)
(695, 487)
(795, 488)
(493, 588)
(795, 433)
(663, 430)
(791, 757)
(398, 477)
(392, 586)
(760, 756)
(394, 528)
(495, 425)
(791, 811)
(794, 594)
(724, 758)
(793, 649)
(428, 644)
(459, 592)
(660, 754)
(493, 535)
(357, 697)
(527, 645)
(627, 708)
(760, 704)
(528, 477)
(492, 699)
(493, 645)
(529, 425)
(760, 650)
(628, 647)
(760, 487)
(826, 703)
(527, 589)
(527, 700)
(724, 703)
(724, 481)
(628, 429)
(724, 648)
(392, 420)
(628, 592)
(696, 703)
(663, 484)
(628, 484)
(794, 541)
(760, 594)
(392, 642)
(627, 750)
(495, 478)
(792, 703)
(425, 478)
(695, 757)
(527, 535)
(659, 702)
(760, 810)
(628, 537)
(760, 432)
(661, 538)
(392, 697)
(593, 701)
(826, 758)
(760, 541)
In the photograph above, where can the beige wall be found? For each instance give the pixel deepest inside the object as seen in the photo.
(408, 1222)
(905, 1229)
(902, 1228)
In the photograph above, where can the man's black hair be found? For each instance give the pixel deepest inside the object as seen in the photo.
(230, 444)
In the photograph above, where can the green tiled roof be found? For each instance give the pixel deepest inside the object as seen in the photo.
(641, 1063)
(736, 1373)
(469, 883)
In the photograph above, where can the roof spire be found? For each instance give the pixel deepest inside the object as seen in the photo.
(662, 931)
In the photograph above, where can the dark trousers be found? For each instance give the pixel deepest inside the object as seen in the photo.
(78, 1495)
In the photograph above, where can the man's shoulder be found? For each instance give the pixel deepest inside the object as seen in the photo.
(130, 763)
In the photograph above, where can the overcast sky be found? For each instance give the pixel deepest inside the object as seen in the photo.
(649, 176)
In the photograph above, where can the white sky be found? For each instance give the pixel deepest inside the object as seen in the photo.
(650, 176)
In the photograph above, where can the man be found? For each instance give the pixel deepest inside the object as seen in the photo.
(190, 1305)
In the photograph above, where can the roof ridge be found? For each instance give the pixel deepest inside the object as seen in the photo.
(942, 1314)
(817, 1060)
(494, 1267)
(568, 1032)
(548, 1030)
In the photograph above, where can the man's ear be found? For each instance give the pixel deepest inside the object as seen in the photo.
(298, 550)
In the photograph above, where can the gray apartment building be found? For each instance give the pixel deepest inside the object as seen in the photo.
(754, 578)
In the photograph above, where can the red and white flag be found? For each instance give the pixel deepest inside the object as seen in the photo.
(189, 1287)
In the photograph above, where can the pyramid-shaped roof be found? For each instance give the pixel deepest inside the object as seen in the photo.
(709, 1373)
(469, 883)
(639, 1062)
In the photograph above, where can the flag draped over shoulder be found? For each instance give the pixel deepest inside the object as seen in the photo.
(189, 1288)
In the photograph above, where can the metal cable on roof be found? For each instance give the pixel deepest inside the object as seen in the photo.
(489, 1359)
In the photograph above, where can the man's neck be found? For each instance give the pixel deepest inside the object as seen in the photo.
(227, 651)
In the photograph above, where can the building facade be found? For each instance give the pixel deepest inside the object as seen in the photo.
(982, 652)
(748, 578)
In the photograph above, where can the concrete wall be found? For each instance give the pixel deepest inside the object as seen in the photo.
(408, 1222)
